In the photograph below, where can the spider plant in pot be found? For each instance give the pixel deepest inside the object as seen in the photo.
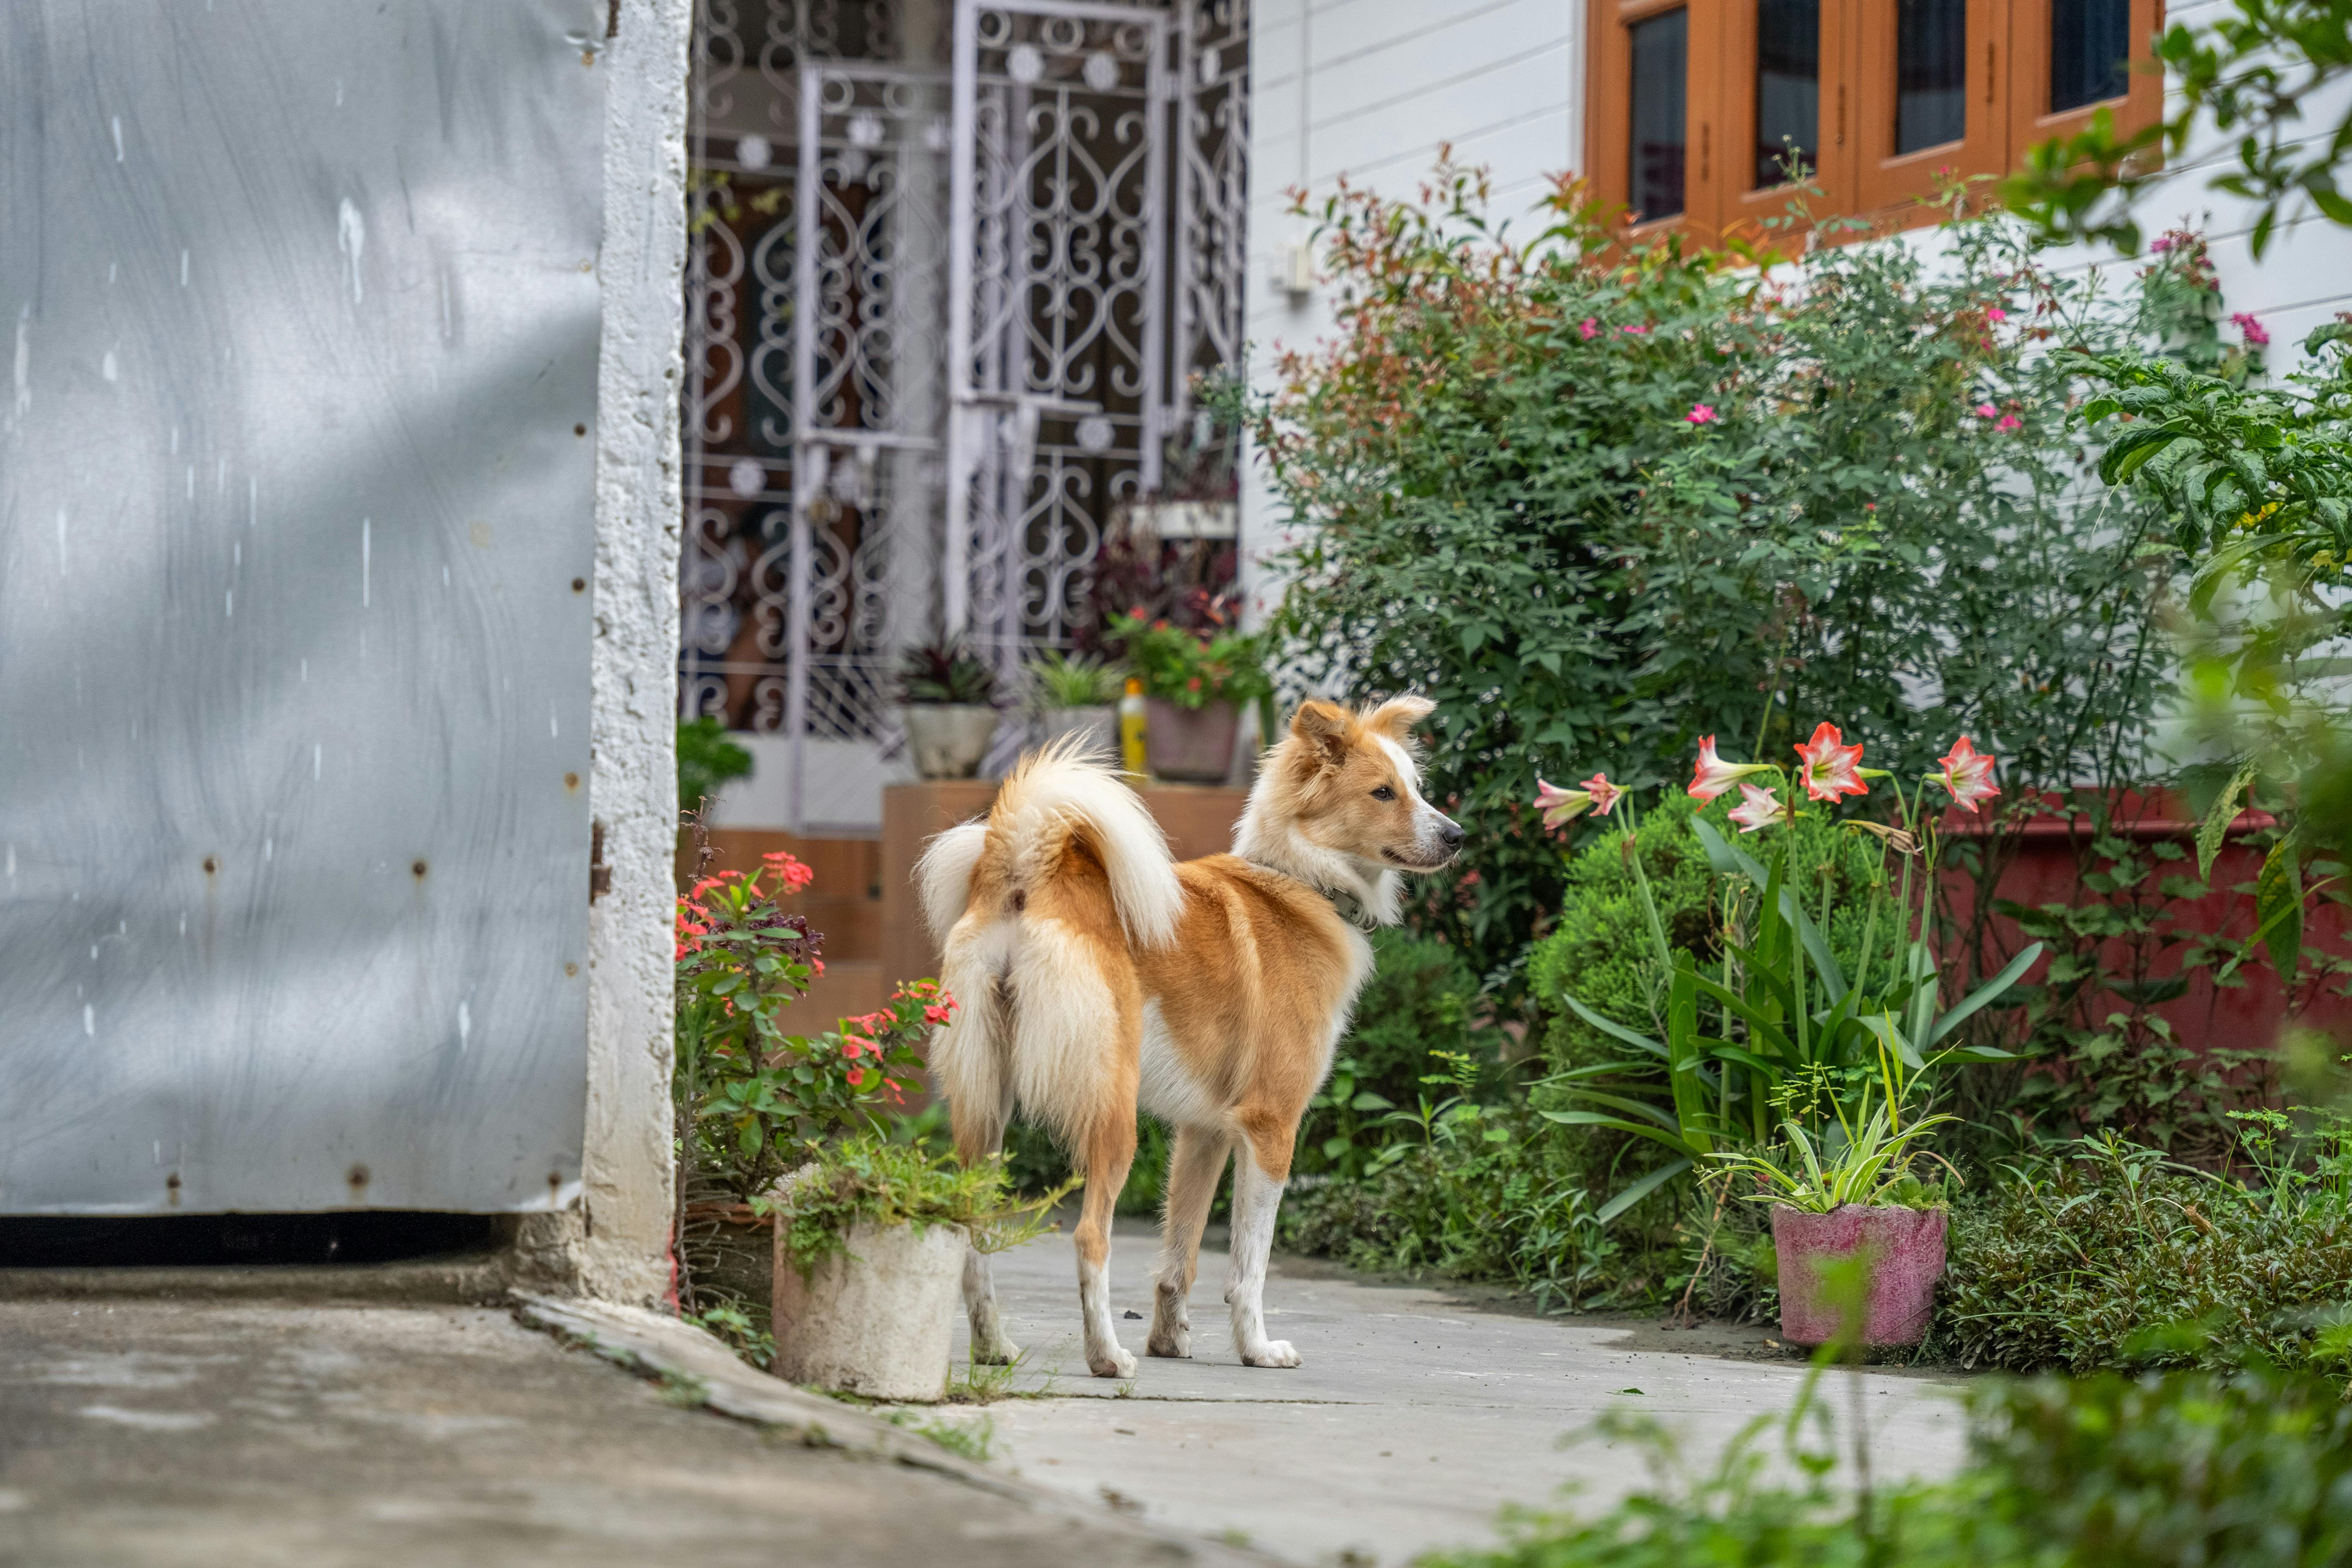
(871, 1238)
(948, 703)
(1078, 693)
(1847, 1189)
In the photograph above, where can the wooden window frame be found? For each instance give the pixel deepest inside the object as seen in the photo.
(1860, 175)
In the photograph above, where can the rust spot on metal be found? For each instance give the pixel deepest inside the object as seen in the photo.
(600, 875)
(417, 870)
(580, 584)
(571, 969)
(211, 865)
(358, 1178)
(580, 429)
(171, 1189)
(571, 781)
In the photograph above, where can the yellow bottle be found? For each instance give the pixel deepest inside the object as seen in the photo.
(1131, 729)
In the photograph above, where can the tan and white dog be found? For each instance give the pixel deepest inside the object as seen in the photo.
(1096, 974)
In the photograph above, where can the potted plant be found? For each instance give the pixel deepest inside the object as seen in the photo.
(948, 705)
(1078, 693)
(870, 1243)
(1851, 1192)
(1194, 685)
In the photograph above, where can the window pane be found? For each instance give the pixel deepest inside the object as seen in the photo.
(1931, 72)
(1660, 51)
(1788, 85)
(2089, 46)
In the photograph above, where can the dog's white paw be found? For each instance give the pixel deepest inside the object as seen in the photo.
(999, 1351)
(1271, 1352)
(1176, 1342)
(1118, 1362)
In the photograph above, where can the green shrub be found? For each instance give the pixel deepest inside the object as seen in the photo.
(2097, 1257)
(2181, 1471)
(1597, 501)
(707, 759)
(1599, 946)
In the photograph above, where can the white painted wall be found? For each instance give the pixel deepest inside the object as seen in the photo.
(1370, 90)
(615, 1244)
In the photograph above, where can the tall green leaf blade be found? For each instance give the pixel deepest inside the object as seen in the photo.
(2278, 906)
(1682, 1053)
(2218, 817)
(1817, 948)
(1610, 1026)
(1640, 1190)
(1986, 994)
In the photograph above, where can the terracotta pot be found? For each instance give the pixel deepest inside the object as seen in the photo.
(879, 1321)
(1906, 1247)
(1099, 726)
(948, 739)
(1189, 745)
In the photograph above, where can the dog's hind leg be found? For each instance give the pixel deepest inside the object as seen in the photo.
(1194, 1163)
(981, 1106)
(1110, 1149)
(1260, 1167)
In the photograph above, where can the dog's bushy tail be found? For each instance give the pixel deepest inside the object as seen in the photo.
(1061, 792)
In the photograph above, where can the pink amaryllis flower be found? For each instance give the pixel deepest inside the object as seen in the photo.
(1700, 414)
(1967, 775)
(2007, 423)
(1829, 767)
(1561, 806)
(1758, 809)
(1995, 314)
(1986, 411)
(1589, 328)
(1713, 776)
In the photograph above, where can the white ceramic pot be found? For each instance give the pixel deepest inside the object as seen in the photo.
(1098, 725)
(877, 1322)
(948, 739)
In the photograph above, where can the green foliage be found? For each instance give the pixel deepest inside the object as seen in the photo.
(2108, 1255)
(1417, 1004)
(707, 759)
(1787, 1028)
(1599, 502)
(1075, 680)
(868, 1179)
(1192, 669)
(2180, 1471)
(943, 672)
(1467, 1206)
(2252, 72)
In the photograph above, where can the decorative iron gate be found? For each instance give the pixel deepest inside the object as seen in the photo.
(953, 271)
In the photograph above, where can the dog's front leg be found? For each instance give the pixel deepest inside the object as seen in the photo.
(1258, 1194)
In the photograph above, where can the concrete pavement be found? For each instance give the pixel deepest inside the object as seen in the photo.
(1415, 1419)
(191, 1433)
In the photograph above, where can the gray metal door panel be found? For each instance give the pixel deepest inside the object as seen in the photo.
(301, 319)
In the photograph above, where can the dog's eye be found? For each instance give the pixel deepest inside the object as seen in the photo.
(1384, 792)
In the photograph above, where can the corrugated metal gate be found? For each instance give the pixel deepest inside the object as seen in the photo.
(295, 529)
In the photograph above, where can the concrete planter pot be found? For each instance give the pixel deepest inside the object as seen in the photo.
(877, 1322)
(948, 739)
(1098, 725)
(1906, 1251)
(1191, 745)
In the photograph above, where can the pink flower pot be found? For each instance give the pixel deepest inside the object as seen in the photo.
(1906, 1248)
(1191, 745)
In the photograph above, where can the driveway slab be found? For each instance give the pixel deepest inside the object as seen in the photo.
(1415, 1419)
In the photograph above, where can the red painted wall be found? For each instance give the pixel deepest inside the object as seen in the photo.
(2246, 1016)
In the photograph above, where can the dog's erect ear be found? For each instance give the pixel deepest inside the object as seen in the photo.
(1323, 729)
(1397, 716)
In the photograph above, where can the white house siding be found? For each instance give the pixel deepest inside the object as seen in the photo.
(1370, 89)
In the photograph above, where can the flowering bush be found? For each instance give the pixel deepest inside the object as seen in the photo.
(751, 1096)
(1596, 496)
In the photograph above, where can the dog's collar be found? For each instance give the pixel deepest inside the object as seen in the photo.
(1347, 905)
